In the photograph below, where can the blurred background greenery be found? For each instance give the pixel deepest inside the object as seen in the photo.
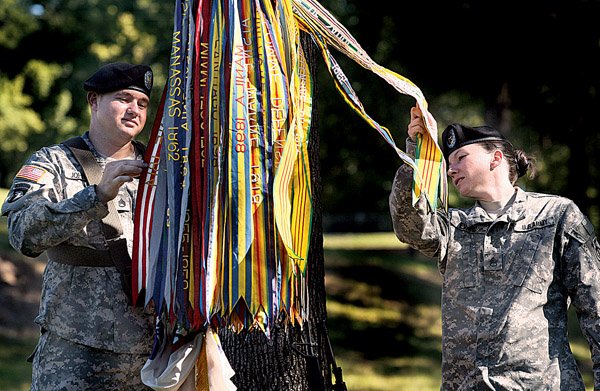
(530, 71)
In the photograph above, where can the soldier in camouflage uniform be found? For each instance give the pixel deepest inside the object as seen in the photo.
(511, 265)
(91, 339)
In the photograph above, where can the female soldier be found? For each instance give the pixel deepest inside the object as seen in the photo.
(511, 264)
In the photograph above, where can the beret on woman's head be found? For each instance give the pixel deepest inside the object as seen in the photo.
(456, 136)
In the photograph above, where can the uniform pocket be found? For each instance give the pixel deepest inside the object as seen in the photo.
(461, 266)
(528, 258)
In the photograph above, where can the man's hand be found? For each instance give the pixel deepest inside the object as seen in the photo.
(116, 173)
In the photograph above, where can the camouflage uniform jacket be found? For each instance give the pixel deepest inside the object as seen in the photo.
(50, 203)
(507, 285)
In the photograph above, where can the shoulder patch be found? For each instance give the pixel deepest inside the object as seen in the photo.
(583, 231)
(31, 173)
(18, 191)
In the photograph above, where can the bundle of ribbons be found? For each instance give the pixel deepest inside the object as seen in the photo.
(223, 215)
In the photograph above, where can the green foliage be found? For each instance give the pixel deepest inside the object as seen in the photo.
(546, 99)
(29, 113)
(18, 119)
(16, 23)
(58, 118)
(41, 96)
(42, 76)
(466, 66)
(15, 371)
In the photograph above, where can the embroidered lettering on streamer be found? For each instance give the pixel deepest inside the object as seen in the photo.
(538, 224)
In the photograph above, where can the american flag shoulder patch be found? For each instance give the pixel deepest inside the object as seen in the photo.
(31, 172)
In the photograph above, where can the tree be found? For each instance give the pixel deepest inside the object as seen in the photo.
(529, 70)
(293, 357)
(18, 118)
(41, 91)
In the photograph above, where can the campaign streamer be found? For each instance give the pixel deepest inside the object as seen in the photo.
(224, 210)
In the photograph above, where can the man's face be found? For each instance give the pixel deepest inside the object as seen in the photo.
(120, 114)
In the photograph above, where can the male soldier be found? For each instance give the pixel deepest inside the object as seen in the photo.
(91, 337)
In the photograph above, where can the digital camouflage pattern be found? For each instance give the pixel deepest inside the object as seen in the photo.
(88, 368)
(507, 285)
(51, 203)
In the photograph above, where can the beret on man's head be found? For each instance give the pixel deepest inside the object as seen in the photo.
(119, 76)
(456, 136)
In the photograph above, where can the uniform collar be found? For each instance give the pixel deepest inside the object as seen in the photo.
(515, 212)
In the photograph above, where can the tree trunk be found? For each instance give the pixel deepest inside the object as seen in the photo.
(293, 358)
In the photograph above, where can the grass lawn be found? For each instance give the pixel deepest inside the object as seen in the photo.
(383, 317)
(15, 372)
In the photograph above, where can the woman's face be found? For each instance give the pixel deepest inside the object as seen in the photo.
(470, 168)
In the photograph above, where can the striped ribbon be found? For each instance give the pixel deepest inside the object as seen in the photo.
(224, 211)
(429, 165)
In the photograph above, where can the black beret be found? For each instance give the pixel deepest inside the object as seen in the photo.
(119, 76)
(456, 136)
